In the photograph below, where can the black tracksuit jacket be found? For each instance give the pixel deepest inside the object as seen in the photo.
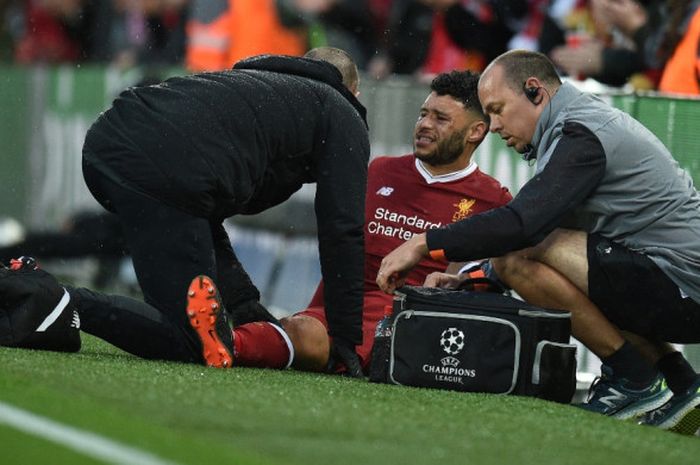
(243, 140)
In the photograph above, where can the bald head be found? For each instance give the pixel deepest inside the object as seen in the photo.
(342, 61)
(519, 65)
(514, 90)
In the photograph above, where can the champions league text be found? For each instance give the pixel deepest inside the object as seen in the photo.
(448, 373)
(383, 216)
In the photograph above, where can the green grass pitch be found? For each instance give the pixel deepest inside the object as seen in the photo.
(190, 414)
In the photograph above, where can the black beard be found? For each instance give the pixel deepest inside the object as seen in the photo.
(447, 150)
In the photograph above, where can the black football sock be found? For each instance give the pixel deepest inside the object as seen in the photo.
(679, 374)
(628, 363)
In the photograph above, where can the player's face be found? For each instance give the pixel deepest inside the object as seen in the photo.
(513, 116)
(439, 137)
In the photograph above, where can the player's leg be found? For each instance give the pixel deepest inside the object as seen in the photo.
(682, 412)
(303, 341)
(555, 274)
(639, 298)
(240, 296)
(310, 339)
(169, 248)
(308, 331)
(258, 337)
(627, 283)
(300, 339)
(133, 326)
(534, 275)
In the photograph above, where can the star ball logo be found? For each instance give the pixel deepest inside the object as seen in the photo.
(452, 342)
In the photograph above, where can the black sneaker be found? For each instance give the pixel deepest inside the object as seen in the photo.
(208, 318)
(36, 312)
(61, 334)
(615, 397)
(680, 414)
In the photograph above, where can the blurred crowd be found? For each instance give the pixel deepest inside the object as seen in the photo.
(643, 44)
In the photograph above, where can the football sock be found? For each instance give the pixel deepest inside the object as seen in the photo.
(679, 374)
(628, 363)
(262, 345)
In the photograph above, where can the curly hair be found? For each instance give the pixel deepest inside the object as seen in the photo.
(460, 85)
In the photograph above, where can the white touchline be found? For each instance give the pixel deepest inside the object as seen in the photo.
(84, 442)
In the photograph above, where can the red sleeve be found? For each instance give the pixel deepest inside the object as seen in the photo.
(317, 299)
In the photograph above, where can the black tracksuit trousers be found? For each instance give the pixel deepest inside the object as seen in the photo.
(169, 248)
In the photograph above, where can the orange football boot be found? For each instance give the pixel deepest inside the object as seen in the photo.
(208, 318)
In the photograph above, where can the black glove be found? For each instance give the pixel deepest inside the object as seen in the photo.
(343, 352)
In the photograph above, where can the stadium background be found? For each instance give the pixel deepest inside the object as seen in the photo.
(45, 112)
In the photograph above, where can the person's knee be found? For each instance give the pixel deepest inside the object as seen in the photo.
(558, 243)
(310, 340)
(509, 266)
(518, 268)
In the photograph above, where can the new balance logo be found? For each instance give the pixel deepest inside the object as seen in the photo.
(75, 323)
(613, 399)
(385, 191)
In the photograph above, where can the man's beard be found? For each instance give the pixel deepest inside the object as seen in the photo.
(447, 150)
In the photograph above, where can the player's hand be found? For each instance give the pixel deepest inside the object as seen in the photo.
(343, 352)
(443, 280)
(395, 266)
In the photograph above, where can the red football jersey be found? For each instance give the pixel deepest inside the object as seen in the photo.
(404, 199)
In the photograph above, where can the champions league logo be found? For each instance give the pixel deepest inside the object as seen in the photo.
(452, 342)
(449, 362)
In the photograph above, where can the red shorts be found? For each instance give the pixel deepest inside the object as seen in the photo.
(373, 311)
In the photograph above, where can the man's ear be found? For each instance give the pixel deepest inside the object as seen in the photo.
(477, 131)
